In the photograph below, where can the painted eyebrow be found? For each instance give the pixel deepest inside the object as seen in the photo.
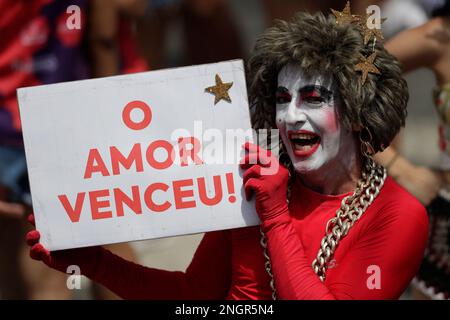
(324, 92)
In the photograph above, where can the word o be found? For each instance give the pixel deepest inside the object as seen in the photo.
(126, 115)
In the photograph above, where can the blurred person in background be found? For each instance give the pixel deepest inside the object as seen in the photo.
(36, 47)
(399, 21)
(209, 32)
(277, 9)
(283, 9)
(186, 32)
(42, 42)
(112, 39)
(429, 46)
(153, 32)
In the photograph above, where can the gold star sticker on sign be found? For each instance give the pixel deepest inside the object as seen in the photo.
(220, 90)
(345, 16)
(366, 66)
(369, 33)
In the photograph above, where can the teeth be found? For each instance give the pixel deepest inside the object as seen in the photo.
(302, 148)
(302, 136)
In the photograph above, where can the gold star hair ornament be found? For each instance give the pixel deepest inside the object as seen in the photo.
(369, 33)
(366, 66)
(220, 90)
(345, 16)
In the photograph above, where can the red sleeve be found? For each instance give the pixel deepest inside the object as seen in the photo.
(207, 277)
(395, 244)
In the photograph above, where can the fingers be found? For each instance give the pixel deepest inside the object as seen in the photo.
(38, 252)
(250, 187)
(256, 155)
(32, 237)
(35, 252)
(251, 159)
(253, 172)
(251, 147)
(31, 220)
(254, 148)
(251, 181)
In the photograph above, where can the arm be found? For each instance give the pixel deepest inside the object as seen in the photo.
(293, 274)
(102, 38)
(207, 277)
(422, 182)
(395, 244)
(414, 48)
(9, 209)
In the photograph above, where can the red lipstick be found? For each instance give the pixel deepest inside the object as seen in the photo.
(304, 143)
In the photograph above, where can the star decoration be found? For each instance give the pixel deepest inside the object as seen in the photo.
(369, 33)
(344, 16)
(366, 66)
(220, 90)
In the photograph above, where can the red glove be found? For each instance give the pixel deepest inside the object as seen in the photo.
(268, 179)
(85, 258)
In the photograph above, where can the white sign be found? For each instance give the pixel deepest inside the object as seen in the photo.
(139, 156)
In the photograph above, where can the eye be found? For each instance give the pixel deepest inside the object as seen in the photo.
(314, 100)
(315, 95)
(282, 96)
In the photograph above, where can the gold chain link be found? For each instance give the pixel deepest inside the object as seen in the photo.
(351, 210)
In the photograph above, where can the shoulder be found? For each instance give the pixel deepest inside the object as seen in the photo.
(395, 206)
(398, 201)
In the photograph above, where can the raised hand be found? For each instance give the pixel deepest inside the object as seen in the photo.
(267, 179)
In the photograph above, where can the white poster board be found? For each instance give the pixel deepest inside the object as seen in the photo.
(139, 156)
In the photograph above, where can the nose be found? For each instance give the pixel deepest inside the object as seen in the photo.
(295, 115)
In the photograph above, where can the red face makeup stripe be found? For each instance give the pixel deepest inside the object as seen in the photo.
(309, 94)
(315, 91)
(283, 95)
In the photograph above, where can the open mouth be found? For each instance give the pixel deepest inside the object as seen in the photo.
(304, 143)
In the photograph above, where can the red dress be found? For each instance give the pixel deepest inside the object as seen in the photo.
(376, 260)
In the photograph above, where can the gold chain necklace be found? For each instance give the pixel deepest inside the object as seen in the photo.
(352, 208)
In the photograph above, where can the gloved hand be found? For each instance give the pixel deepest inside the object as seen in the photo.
(85, 258)
(268, 179)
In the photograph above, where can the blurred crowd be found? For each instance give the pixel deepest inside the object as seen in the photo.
(37, 46)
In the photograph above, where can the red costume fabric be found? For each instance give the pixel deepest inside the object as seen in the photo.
(386, 246)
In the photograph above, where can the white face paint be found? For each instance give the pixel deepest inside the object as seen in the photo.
(307, 117)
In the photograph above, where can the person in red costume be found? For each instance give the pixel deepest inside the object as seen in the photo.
(333, 226)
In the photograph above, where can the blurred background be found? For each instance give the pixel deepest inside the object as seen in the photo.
(126, 36)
